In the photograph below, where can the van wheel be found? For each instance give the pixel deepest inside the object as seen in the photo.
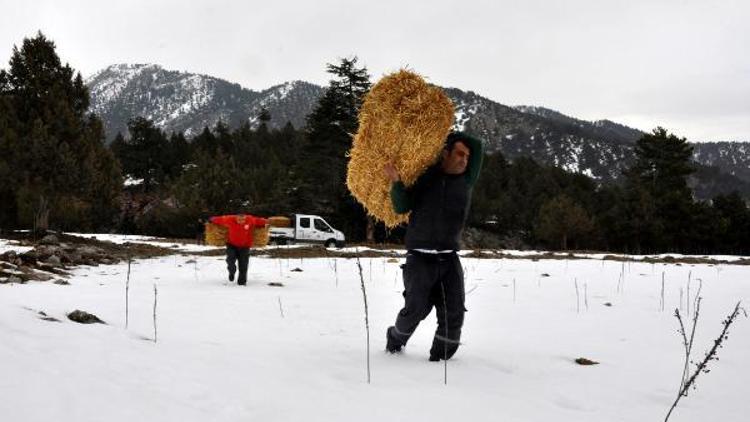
(330, 243)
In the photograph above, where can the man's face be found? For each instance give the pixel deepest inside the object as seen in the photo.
(456, 160)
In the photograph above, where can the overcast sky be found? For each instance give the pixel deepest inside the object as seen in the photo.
(681, 64)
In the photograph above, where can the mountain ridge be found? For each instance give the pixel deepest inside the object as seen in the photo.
(188, 102)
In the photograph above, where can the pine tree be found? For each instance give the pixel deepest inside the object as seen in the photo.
(56, 147)
(733, 232)
(10, 149)
(264, 117)
(329, 131)
(660, 171)
(178, 155)
(211, 186)
(663, 163)
(145, 154)
(205, 142)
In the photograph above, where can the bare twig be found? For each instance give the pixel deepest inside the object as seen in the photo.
(681, 296)
(586, 295)
(281, 309)
(127, 289)
(698, 294)
(445, 341)
(687, 302)
(578, 297)
(701, 367)
(661, 304)
(367, 320)
(155, 301)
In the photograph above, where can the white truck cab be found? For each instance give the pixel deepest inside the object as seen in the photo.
(307, 228)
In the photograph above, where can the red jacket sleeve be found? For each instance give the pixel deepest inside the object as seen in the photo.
(259, 221)
(222, 220)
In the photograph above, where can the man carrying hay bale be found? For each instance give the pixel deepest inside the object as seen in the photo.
(239, 241)
(433, 275)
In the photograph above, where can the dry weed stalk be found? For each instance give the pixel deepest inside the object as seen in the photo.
(367, 319)
(687, 380)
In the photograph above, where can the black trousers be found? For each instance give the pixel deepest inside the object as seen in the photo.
(241, 256)
(433, 280)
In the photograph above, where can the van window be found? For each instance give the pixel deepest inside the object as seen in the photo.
(322, 226)
(304, 222)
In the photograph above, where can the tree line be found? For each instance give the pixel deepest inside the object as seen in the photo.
(57, 172)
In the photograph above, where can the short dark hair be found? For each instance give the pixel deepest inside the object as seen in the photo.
(451, 140)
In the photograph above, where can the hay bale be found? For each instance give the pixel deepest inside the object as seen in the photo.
(279, 221)
(216, 235)
(403, 121)
(260, 237)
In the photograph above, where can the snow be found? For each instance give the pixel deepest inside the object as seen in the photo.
(226, 353)
(131, 181)
(589, 172)
(463, 113)
(460, 120)
(119, 76)
(284, 90)
(12, 245)
(278, 93)
(195, 92)
(148, 240)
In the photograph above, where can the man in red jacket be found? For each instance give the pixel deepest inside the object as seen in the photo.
(239, 241)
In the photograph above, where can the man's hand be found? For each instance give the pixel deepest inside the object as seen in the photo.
(391, 172)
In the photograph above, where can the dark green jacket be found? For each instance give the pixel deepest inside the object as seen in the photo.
(439, 202)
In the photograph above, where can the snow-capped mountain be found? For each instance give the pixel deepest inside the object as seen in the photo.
(601, 149)
(732, 157)
(185, 102)
(179, 101)
(598, 149)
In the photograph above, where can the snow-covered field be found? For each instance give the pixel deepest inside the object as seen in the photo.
(11, 245)
(227, 353)
(148, 240)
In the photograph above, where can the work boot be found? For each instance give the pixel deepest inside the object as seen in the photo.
(231, 276)
(439, 351)
(392, 345)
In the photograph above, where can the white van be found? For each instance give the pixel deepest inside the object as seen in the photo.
(307, 229)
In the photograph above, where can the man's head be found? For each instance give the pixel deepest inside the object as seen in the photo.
(456, 154)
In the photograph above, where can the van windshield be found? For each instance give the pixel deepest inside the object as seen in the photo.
(322, 226)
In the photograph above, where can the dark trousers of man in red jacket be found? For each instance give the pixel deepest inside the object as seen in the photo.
(238, 257)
